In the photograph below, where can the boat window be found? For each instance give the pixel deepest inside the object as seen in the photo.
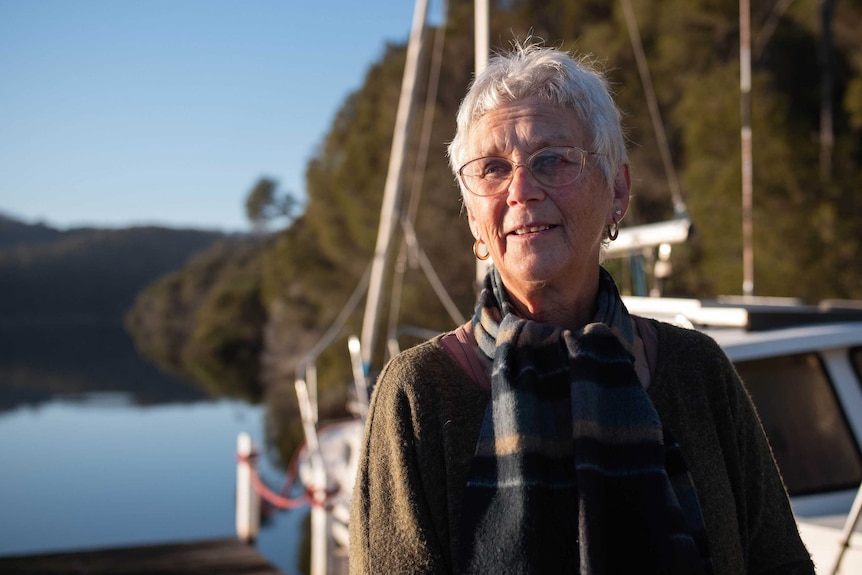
(856, 358)
(803, 419)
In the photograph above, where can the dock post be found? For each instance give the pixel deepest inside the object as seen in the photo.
(247, 499)
(320, 535)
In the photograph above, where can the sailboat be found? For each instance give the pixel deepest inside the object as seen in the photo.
(754, 333)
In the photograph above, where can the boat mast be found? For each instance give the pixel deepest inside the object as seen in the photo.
(481, 26)
(481, 49)
(389, 218)
(745, 136)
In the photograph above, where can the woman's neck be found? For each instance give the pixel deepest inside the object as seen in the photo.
(569, 306)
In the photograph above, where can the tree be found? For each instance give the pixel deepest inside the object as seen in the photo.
(264, 204)
(807, 232)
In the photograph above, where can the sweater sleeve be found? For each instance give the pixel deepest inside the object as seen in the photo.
(749, 520)
(774, 545)
(392, 526)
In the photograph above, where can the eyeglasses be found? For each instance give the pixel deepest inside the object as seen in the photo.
(555, 167)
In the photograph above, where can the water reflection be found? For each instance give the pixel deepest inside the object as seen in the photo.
(38, 362)
(102, 449)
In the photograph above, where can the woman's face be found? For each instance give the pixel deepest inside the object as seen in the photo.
(538, 235)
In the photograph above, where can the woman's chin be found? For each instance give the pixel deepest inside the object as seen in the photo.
(530, 274)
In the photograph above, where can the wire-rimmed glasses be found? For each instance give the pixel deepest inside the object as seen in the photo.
(555, 166)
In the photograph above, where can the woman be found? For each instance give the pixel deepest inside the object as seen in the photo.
(555, 433)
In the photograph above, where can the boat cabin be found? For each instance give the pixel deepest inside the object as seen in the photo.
(802, 366)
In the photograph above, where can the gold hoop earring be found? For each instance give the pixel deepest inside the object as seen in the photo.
(613, 231)
(481, 258)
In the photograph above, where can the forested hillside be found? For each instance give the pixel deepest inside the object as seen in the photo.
(204, 322)
(85, 273)
(807, 179)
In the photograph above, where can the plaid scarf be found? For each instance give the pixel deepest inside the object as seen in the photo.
(573, 471)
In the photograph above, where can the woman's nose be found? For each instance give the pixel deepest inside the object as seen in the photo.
(523, 187)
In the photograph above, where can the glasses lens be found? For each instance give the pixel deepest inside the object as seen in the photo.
(556, 167)
(553, 167)
(487, 176)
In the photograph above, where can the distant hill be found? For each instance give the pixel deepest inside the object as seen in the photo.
(85, 273)
(14, 233)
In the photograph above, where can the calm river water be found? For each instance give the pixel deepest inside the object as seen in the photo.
(89, 462)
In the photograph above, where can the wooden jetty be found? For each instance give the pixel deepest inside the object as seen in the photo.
(209, 557)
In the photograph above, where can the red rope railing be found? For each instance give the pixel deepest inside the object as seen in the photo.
(282, 500)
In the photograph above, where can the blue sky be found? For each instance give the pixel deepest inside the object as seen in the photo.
(122, 112)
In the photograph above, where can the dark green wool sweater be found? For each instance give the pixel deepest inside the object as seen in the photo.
(422, 430)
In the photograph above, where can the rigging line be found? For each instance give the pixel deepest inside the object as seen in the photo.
(433, 278)
(440, 289)
(337, 325)
(427, 118)
(652, 103)
(392, 190)
(768, 29)
(412, 244)
(408, 249)
(395, 301)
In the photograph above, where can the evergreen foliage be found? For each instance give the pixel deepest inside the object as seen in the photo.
(85, 273)
(265, 204)
(806, 221)
(205, 322)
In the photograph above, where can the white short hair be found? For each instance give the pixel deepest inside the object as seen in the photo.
(532, 70)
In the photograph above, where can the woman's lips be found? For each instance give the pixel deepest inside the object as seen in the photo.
(530, 230)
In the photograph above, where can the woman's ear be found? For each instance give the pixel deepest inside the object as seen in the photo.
(471, 219)
(622, 193)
